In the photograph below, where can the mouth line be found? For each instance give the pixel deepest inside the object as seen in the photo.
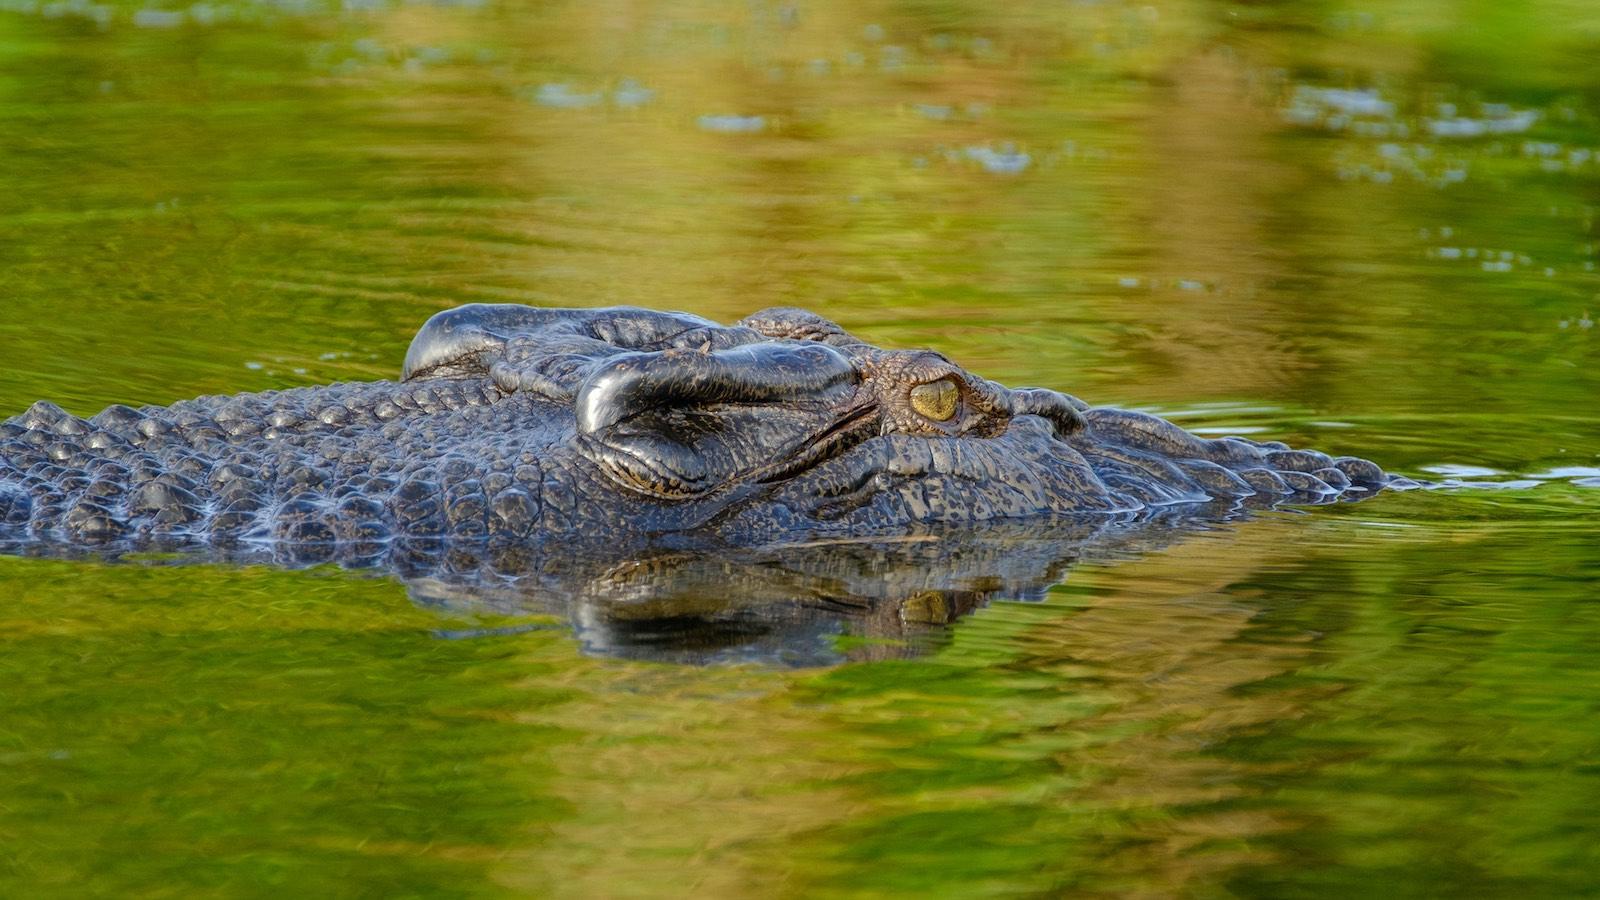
(644, 477)
(628, 466)
(855, 426)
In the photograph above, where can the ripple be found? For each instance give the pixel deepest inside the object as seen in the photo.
(1001, 159)
(1514, 122)
(1438, 143)
(564, 96)
(1568, 472)
(1461, 471)
(158, 18)
(630, 94)
(732, 124)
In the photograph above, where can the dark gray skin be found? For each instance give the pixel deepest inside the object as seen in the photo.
(625, 428)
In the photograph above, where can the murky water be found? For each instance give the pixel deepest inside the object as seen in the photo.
(1366, 229)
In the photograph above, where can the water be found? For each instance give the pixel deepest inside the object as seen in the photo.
(1367, 231)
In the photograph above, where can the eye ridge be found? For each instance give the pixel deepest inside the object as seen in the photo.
(937, 400)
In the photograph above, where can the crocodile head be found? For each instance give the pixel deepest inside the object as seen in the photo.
(785, 421)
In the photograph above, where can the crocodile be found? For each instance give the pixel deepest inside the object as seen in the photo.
(623, 428)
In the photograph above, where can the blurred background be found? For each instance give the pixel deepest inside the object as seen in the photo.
(1368, 227)
(1142, 203)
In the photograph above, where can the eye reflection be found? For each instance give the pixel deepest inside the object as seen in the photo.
(936, 399)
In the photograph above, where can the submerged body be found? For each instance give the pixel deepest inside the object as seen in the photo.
(624, 426)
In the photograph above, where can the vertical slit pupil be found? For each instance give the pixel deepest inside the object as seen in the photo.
(936, 399)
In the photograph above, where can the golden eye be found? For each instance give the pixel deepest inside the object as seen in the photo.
(936, 399)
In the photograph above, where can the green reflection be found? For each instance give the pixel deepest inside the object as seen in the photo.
(214, 728)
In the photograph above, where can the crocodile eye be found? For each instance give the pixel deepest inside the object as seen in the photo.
(936, 399)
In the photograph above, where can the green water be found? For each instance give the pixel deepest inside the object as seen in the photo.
(1365, 227)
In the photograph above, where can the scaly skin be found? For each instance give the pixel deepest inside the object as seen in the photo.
(622, 427)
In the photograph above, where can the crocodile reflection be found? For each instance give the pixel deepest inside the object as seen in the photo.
(814, 603)
(819, 603)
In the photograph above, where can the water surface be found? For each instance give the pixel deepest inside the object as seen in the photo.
(1366, 229)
